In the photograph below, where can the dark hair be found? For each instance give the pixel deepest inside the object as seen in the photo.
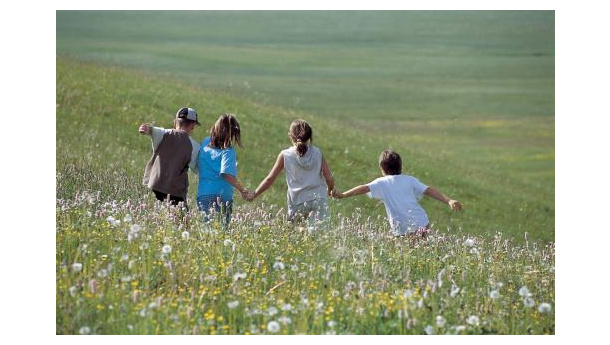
(390, 162)
(300, 133)
(225, 132)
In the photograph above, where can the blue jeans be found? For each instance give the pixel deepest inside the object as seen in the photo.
(213, 207)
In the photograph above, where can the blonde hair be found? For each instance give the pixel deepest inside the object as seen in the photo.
(225, 132)
(300, 133)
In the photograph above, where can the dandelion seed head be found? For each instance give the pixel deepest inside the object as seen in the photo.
(273, 327)
(166, 249)
(77, 267)
(440, 321)
(494, 294)
(473, 320)
(85, 330)
(528, 302)
(233, 304)
(429, 330)
(524, 291)
(544, 308)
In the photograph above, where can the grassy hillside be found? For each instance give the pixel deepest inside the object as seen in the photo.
(388, 65)
(99, 149)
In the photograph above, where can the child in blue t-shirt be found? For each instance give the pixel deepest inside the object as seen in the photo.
(218, 168)
(400, 194)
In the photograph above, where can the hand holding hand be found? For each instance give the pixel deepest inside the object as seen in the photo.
(248, 195)
(455, 205)
(336, 194)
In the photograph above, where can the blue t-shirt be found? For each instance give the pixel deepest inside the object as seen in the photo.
(212, 163)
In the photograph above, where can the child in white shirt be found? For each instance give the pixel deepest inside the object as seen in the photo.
(400, 194)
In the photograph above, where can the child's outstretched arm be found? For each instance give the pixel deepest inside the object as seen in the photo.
(268, 181)
(328, 176)
(362, 189)
(245, 194)
(434, 193)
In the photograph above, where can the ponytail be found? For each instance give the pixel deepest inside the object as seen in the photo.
(300, 133)
(301, 148)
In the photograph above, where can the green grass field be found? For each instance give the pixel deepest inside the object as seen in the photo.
(467, 99)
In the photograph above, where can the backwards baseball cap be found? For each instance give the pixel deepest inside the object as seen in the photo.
(187, 113)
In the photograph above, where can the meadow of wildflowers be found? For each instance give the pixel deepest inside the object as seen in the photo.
(125, 265)
(135, 267)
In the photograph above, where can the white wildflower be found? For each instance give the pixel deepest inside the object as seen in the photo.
(238, 276)
(84, 330)
(166, 249)
(524, 292)
(73, 290)
(429, 330)
(544, 308)
(227, 242)
(494, 294)
(233, 304)
(287, 307)
(285, 320)
(273, 327)
(440, 321)
(272, 311)
(103, 273)
(473, 320)
(528, 302)
(469, 242)
(77, 267)
(127, 218)
(185, 235)
(454, 291)
(278, 265)
(331, 323)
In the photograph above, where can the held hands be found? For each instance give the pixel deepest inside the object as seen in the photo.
(336, 194)
(455, 205)
(248, 195)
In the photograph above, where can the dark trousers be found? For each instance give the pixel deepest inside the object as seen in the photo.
(173, 200)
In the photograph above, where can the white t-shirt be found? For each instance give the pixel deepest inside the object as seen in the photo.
(400, 195)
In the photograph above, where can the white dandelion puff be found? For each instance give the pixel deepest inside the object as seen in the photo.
(469, 242)
(84, 330)
(127, 218)
(273, 327)
(186, 235)
(166, 249)
(524, 291)
(73, 290)
(227, 242)
(238, 276)
(544, 308)
(331, 323)
(77, 267)
(278, 265)
(272, 311)
(529, 302)
(494, 294)
(233, 304)
(287, 307)
(429, 330)
(440, 321)
(473, 320)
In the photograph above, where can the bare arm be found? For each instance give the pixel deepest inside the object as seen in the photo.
(268, 181)
(235, 183)
(434, 193)
(328, 176)
(362, 189)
